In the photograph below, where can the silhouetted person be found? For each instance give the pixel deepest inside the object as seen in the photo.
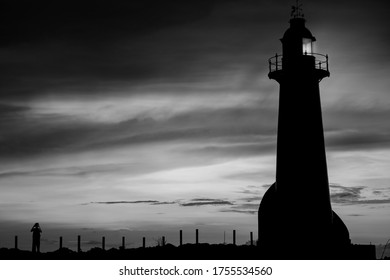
(36, 230)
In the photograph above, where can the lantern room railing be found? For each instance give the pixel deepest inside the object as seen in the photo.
(321, 62)
(275, 63)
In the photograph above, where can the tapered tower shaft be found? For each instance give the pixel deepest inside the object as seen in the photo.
(301, 170)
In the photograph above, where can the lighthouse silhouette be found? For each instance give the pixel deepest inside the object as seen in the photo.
(295, 219)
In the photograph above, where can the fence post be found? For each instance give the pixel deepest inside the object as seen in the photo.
(123, 243)
(143, 242)
(196, 236)
(60, 242)
(78, 243)
(181, 237)
(16, 242)
(163, 241)
(251, 238)
(103, 243)
(234, 237)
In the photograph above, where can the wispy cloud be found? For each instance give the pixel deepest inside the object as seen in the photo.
(192, 202)
(180, 202)
(246, 207)
(354, 195)
(346, 194)
(370, 138)
(164, 202)
(253, 193)
(206, 201)
(251, 212)
(373, 201)
(152, 202)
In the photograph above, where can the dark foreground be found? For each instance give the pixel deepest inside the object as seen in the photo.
(170, 252)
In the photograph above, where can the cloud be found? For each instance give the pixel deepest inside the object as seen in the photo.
(237, 150)
(67, 48)
(245, 176)
(253, 198)
(189, 203)
(254, 190)
(373, 201)
(97, 18)
(205, 202)
(353, 195)
(35, 134)
(251, 212)
(351, 126)
(345, 194)
(253, 193)
(152, 202)
(164, 203)
(345, 197)
(166, 54)
(359, 140)
(245, 207)
(9, 109)
(71, 171)
(14, 174)
(203, 199)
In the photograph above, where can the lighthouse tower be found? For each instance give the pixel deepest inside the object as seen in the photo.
(295, 215)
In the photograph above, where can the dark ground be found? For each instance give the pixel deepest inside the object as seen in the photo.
(202, 251)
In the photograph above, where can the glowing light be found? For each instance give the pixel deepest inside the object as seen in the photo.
(307, 45)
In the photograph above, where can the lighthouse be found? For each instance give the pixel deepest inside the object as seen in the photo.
(295, 219)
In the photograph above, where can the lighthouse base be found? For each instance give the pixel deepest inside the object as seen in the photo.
(288, 229)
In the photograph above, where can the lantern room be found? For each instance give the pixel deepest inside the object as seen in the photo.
(297, 39)
(298, 53)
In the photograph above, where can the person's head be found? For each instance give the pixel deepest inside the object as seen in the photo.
(36, 225)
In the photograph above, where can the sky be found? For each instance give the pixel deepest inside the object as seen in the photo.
(141, 118)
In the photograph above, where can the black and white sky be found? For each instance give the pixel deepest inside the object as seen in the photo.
(144, 117)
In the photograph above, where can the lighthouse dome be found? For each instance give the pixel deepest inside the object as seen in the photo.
(297, 30)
